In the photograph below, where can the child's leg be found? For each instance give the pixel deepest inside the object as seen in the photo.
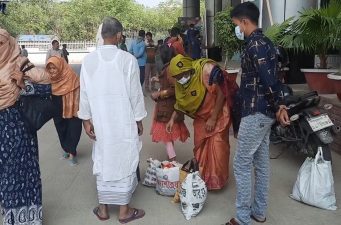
(170, 150)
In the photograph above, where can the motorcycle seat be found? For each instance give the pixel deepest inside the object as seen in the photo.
(291, 99)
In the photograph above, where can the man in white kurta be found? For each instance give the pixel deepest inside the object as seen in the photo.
(112, 108)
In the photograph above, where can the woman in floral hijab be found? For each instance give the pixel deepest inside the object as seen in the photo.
(20, 183)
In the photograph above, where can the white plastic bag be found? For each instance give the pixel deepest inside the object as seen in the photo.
(193, 195)
(150, 176)
(315, 183)
(167, 179)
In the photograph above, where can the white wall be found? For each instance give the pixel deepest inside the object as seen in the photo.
(284, 9)
(38, 58)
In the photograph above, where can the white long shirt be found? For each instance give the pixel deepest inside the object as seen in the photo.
(51, 52)
(111, 96)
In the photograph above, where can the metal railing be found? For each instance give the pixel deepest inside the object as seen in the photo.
(71, 45)
(83, 45)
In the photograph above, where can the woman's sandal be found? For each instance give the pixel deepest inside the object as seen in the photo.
(65, 155)
(257, 220)
(232, 222)
(96, 212)
(137, 214)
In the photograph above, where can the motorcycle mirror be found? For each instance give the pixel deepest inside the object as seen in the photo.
(327, 106)
(294, 117)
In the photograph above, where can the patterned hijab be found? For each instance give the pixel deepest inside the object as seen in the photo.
(180, 64)
(190, 96)
(66, 84)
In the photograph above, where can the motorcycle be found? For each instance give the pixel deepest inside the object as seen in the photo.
(310, 127)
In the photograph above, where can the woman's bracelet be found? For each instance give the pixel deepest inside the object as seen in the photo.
(164, 94)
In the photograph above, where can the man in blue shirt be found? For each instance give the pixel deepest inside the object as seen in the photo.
(138, 49)
(193, 35)
(259, 98)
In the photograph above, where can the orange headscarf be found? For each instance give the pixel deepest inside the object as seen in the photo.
(9, 54)
(65, 84)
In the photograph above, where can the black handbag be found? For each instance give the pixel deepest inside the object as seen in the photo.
(190, 166)
(37, 109)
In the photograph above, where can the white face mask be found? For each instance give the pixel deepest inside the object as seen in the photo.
(184, 80)
(239, 34)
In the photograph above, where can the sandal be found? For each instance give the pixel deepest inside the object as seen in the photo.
(65, 155)
(257, 220)
(96, 212)
(232, 222)
(137, 214)
(74, 161)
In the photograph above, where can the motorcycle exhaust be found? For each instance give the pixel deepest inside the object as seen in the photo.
(325, 136)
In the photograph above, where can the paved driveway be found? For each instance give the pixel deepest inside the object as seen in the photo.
(69, 193)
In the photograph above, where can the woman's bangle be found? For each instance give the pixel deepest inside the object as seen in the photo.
(164, 94)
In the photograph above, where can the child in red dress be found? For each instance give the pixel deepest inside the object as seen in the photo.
(164, 108)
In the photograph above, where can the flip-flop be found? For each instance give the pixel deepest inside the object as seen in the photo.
(137, 214)
(95, 211)
(257, 220)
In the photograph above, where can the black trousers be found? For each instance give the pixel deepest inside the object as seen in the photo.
(142, 74)
(69, 130)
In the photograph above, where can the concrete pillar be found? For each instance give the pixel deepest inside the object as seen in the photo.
(191, 8)
(284, 9)
(226, 3)
(218, 4)
(212, 7)
(235, 2)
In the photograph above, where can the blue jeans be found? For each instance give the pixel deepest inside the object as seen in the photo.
(252, 151)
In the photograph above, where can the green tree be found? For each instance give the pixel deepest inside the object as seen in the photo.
(29, 17)
(79, 19)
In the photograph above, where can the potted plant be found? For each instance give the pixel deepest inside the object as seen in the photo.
(316, 31)
(275, 33)
(336, 79)
(226, 38)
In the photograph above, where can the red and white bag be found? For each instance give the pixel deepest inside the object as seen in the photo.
(167, 178)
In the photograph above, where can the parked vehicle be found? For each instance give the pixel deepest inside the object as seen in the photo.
(309, 128)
